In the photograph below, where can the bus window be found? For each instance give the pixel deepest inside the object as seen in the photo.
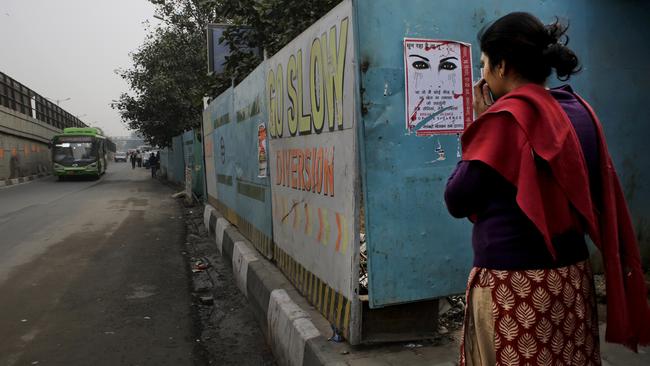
(73, 152)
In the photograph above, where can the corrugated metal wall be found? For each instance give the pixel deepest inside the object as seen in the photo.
(416, 249)
(241, 194)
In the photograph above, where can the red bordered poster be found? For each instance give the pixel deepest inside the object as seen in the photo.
(438, 75)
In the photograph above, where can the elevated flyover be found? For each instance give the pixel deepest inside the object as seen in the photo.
(28, 121)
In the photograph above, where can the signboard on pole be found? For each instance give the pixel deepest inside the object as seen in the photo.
(217, 50)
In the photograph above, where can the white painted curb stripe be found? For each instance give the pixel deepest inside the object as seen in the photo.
(207, 213)
(289, 329)
(25, 179)
(242, 255)
(222, 225)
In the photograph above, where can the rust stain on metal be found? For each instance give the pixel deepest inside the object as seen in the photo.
(365, 65)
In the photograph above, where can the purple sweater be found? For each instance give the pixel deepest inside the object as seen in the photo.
(503, 237)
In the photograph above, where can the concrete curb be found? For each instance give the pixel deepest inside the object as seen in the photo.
(15, 181)
(242, 256)
(289, 329)
(294, 330)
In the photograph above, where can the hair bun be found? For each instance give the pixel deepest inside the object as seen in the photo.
(528, 47)
(555, 31)
(557, 54)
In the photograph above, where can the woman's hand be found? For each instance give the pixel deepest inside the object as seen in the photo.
(482, 97)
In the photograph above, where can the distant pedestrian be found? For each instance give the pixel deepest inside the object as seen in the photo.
(132, 158)
(536, 178)
(153, 164)
(138, 158)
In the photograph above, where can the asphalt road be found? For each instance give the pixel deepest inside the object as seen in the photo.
(91, 273)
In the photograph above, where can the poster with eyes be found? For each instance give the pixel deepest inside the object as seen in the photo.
(438, 75)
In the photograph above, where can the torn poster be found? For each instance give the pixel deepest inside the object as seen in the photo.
(438, 77)
(261, 150)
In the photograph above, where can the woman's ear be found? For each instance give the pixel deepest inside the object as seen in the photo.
(501, 69)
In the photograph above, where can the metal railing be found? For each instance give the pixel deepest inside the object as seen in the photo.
(21, 99)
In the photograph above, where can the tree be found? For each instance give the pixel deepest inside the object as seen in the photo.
(272, 24)
(169, 78)
(168, 81)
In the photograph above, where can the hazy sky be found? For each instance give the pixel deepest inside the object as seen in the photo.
(70, 49)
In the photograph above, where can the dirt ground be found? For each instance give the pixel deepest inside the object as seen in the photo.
(228, 332)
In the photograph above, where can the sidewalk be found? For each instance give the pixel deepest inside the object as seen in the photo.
(298, 333)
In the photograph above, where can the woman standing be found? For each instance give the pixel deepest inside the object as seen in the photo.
(536, 178)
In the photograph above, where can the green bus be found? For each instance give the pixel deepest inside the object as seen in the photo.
(80, 151)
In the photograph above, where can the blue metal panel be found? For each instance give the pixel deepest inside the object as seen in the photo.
(164, 161)
(416, 250)
(222, 115)
(253, 191)
(193, 160)
(198, 173)
(615, 51)
(176, 161)
(188, 152)
(236, 154)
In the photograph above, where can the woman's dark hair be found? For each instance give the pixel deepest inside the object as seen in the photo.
(529, 47)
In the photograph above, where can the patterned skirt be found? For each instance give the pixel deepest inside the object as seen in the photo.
(531, 317)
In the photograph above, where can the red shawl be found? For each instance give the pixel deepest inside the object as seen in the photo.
(528, 124)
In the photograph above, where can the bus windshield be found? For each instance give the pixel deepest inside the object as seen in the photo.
(68, 153)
